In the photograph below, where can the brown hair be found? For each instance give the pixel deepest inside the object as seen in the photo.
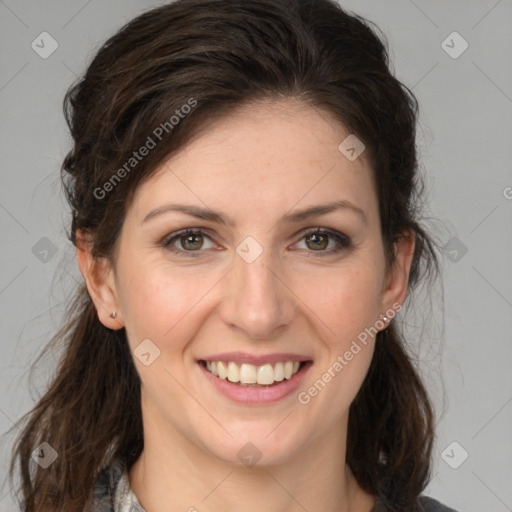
(218, 55)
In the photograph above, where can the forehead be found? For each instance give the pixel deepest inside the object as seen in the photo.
(264, 157)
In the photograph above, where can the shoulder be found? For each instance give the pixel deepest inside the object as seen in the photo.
(432, 505)
(105, 487)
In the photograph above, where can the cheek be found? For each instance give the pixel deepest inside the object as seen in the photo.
(159, 302)
(345, 300)
(346, 306)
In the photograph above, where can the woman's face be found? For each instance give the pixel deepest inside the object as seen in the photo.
(252, 287)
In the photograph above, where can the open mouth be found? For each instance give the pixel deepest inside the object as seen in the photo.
(249, 375)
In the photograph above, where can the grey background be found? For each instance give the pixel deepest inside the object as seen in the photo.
(465, 145)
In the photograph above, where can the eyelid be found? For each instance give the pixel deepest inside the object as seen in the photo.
(342, 239)
(166, 240)
(320, 229)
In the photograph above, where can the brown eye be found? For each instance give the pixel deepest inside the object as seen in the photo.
(187, 242)
(325, 242)
(317, 241)
(191, 242)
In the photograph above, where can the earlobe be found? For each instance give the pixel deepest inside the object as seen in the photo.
(99, 279)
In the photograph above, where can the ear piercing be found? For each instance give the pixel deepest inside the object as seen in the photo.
(385, 318)
(113, 315)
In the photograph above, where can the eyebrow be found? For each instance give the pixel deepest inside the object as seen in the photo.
(293, 217)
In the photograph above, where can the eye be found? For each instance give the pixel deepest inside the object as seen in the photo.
(188, 241)
(325, 241)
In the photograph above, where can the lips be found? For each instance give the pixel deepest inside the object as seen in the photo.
(254, 379)
(248, 369)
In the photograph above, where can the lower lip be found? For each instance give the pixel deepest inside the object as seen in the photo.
(248, 395)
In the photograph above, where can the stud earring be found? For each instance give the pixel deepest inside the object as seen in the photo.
(113, 315)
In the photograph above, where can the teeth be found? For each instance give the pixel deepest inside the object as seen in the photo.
(264, 375)
(279, 372)
(288, 369)
(233, 372)
(248, 374)
(222, 370)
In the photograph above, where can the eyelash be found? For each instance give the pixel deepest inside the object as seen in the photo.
(343, 240)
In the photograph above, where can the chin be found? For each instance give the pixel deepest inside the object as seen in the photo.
(255, 447)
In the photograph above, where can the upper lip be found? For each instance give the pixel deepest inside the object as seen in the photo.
(256, 360)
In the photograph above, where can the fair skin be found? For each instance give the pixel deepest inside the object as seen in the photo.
(253, 166)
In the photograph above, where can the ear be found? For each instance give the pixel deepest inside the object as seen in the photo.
(397, 280)
(98, 275)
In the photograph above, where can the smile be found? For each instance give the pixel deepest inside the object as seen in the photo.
(254, 378)
(250, 375)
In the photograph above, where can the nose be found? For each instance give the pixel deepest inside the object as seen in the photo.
(258, 301)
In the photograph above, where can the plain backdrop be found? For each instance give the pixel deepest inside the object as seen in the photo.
(465, 97)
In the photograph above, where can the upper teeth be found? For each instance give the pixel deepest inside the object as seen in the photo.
(250, 374)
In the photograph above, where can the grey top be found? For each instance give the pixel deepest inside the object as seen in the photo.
(112, 493)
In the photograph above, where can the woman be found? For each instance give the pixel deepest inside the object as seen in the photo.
(244, 192)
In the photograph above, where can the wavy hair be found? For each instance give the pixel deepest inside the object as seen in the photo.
(224, 54)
